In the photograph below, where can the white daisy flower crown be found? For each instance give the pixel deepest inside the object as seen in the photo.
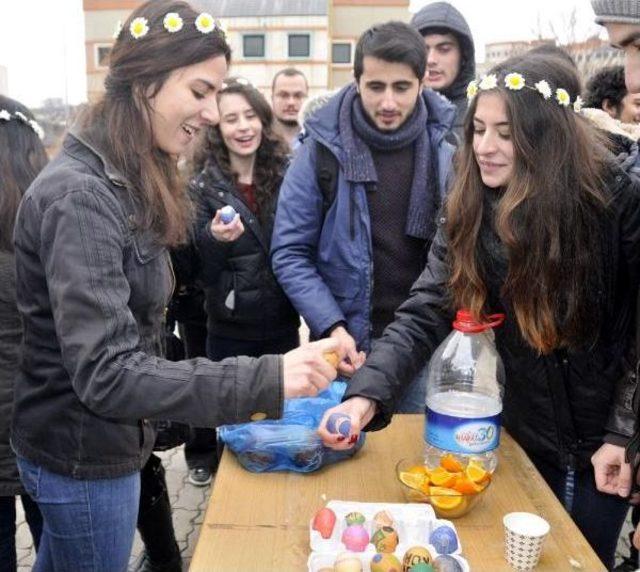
(515, 82)
(6, 116)
(172, 22)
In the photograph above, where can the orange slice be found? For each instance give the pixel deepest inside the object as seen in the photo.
(440, 477)
(477, 473)
(451, 464)
(418, 470)
(466, 486)
(446, 499)
(413, 480)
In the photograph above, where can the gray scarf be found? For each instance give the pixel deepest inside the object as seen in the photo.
(357, 135)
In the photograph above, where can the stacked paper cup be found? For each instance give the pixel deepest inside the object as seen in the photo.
(524, 535)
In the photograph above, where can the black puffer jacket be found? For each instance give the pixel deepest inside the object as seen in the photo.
(243, 299)
(10, 335)
(559, 406)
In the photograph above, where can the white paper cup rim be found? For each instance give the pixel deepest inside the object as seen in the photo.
(526, 524)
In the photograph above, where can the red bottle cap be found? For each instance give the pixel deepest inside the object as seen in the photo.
(465, 322)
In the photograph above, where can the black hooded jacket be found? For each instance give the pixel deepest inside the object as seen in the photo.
(441, 15)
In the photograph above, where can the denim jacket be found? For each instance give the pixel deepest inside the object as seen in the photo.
(92, 289)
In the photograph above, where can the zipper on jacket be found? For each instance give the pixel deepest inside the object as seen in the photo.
(352, 216)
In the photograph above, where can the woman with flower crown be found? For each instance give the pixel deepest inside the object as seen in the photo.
(93, 280)
(542, 226)
(22, 156)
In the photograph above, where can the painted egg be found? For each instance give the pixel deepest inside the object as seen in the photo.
(339, 423)
(444, 540)
(382, 518)
(324, 521)
(422, 567)
(446, 563)
(346, 562)
(355, 538)
(355, 518)
(414, 555)
(385, 539)
(227, 214)
(385, 563)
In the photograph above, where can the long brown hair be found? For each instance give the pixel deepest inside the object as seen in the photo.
(271, 155)
(549, 217)
(138, 68)
(22, 157)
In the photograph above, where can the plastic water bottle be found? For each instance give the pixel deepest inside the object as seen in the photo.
(464, 394)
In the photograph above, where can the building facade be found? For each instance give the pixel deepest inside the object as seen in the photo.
(316, 36)
(589, 56)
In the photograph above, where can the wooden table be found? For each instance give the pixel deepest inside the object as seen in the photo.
(259, 522)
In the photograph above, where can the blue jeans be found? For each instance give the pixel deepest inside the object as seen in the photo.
(414, 397)
(8, 560)
(599, 516)
(88, 524)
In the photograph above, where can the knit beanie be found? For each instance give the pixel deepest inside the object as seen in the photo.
(617, 11)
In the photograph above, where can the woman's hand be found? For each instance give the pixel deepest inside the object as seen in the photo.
(360, 411)
(352, 358)
(226, 232)
(612, 472)
(306, 369)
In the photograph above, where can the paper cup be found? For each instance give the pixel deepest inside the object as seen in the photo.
(524, 534)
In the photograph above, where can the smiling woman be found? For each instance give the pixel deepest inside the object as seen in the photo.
(241, 165)
(542, 225)
(93, 281)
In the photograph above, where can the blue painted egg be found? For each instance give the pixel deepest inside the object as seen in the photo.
(227, 214)
(446, 563)
(444, 540)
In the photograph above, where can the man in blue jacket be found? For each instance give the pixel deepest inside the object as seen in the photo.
(346, 266)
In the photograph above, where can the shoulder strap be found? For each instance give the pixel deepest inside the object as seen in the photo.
(326, 175)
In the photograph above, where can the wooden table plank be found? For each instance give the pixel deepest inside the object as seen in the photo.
(260, 521)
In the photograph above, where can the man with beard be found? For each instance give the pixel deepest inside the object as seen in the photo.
(288, 92)
(347, 261)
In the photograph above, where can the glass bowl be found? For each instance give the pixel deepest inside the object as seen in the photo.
(451, 493)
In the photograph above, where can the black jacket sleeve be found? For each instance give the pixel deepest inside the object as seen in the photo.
(406, 345)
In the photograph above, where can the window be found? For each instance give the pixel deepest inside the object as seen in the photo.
(102, 52)
(299, 45)
(253, 46)
(341, 53)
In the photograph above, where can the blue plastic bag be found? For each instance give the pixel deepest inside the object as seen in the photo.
(290, 443)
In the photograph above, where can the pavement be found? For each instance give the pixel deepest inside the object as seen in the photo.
(189, 504)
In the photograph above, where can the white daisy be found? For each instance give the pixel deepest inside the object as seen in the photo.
(205, 23)
(172, 22)
(544, 88)
(472, 89)
(563, 97)
(139, 27)
(514, 81)
(488, 82)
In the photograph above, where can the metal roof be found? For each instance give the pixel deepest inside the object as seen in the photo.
(249, 8)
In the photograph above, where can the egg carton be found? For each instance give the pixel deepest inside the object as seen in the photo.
(413, 523)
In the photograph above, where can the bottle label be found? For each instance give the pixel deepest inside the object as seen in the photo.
(461, 434)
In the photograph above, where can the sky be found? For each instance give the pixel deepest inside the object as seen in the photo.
(46, 59)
